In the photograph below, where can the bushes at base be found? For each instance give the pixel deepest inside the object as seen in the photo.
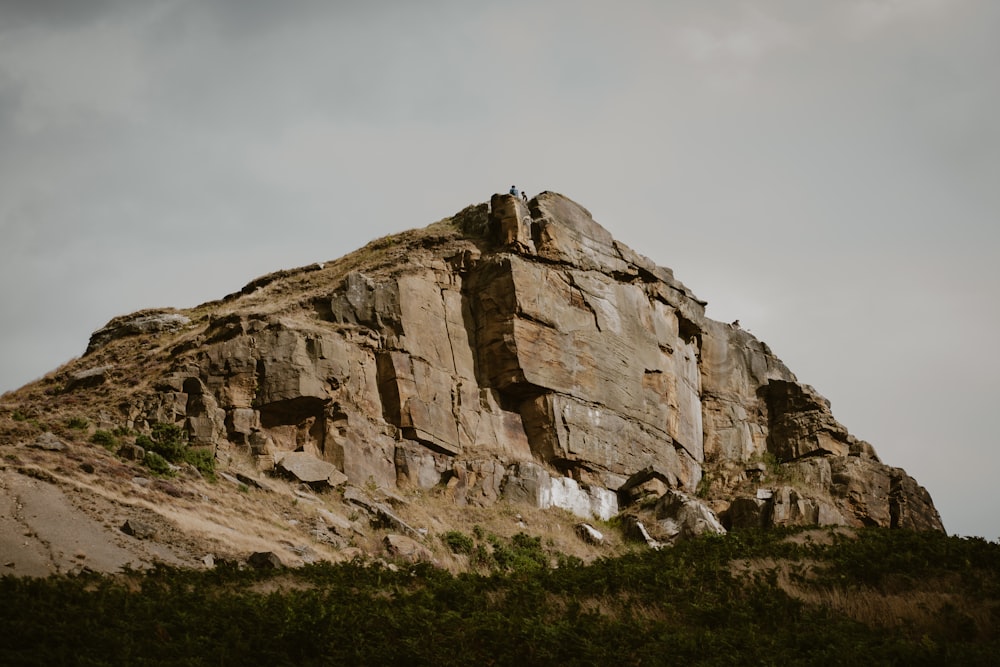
(695, 603)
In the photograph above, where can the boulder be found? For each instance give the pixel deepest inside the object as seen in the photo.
(87, 378)
(138, 529)
(381, 515)
(310, 470)
(265, 560)
(648, 482)
(144, 322)
(589, 534)
(131, 452)
(49, 442)
(680, 516)
(406, 548)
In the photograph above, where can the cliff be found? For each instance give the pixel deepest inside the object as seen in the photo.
(513, 355)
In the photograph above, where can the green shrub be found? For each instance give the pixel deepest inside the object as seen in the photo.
(681, 605)
(458, 542)
(202, 459)
(105, 439)
(77, 423)
(157, 464)
(170, 443)
(483, 558)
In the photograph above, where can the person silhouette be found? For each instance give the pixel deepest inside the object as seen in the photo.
(513, 190)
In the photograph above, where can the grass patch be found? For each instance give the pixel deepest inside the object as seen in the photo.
(77, 423)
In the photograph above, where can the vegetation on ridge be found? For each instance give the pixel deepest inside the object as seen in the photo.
(751, 598)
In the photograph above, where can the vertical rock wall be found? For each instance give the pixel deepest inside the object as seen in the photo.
(539, 360)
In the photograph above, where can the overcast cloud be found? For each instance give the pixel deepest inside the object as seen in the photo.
(828, 173)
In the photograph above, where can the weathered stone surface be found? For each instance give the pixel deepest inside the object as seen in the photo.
(910, 505)
(336, 523)
(49, 442)
(90, 377)
(206, 421)
(131, 452)
(381, 514)
(420, 400)
(477, 481)
(680, 516)
(240, 424)
(791, 508)
(144, 322)
(138, 529)
(863, 488)
(534, 360)
(566, 232)
(252, 482)
(746, 512)
(589, 534)
(510, 217)
(801, 422)
(636, 529)
(648, 482)
(528, 483)
(307, 468)
(406, 548)
(418, 466)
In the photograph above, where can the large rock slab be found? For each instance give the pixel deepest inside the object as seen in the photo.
(310, 470)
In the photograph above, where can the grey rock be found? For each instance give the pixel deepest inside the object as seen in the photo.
(310, 470)
(680, 516)
(381, 514)
(145, 322)
(252, 482)
(49, 442)
(589, 534)
(90, 377)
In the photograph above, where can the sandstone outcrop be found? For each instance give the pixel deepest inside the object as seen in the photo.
(513, 353)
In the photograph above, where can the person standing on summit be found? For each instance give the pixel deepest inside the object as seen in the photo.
(513, 190)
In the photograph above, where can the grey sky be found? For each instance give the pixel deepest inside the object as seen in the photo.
(827, 172)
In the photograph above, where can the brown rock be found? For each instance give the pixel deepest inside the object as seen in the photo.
(265, 560)
(517, 353)
(406, 548)
(310, 470)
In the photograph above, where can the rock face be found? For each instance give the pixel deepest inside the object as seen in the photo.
(514, 352)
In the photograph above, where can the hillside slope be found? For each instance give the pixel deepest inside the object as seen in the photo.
(512, 366)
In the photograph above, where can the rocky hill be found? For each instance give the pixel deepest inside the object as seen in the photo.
(512, 367)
